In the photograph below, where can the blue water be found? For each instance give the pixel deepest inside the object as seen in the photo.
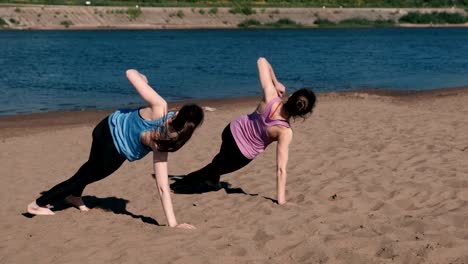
(63, 70)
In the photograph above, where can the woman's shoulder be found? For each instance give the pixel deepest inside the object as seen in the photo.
(151, 114)
(265, 105)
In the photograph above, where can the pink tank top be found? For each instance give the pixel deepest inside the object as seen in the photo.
(250, 131)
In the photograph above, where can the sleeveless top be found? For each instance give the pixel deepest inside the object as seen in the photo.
(250, 131)
(126, 126)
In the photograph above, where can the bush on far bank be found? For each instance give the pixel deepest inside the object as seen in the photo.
(2, 23)
(355, 22)
(433, 18)
(280, 23)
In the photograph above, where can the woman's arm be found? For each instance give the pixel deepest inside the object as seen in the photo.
(282, 153)
(160, 171)
(279, 87)
(148, 94)
(271, 86)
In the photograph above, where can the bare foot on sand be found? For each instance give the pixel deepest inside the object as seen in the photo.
(77, 202)
(35, 209)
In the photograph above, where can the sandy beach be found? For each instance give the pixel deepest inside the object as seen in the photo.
(376, 177)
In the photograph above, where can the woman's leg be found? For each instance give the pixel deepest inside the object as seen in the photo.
(103, 160)
(229, 159)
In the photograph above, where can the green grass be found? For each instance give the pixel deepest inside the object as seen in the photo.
(66, 23)
(213, 11)
(355, 22)
(3, 23)
(362, 22)
(133, 13)
(284, 23)
(324, 23)
(433, 18)
(180, 14)
(280, 23)
(249, 23)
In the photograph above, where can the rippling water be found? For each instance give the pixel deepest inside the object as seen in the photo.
(63, 70)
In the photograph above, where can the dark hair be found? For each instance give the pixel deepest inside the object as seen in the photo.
(300, 103)
(188, 118)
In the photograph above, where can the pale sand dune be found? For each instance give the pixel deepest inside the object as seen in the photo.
(376, 179)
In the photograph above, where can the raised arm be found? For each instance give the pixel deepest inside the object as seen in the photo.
(162, 182)
(271, 86)
(148, 94)
(282, 153)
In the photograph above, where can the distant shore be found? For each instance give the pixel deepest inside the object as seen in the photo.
(49, 17)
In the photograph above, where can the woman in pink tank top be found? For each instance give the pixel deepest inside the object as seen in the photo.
(249, 135)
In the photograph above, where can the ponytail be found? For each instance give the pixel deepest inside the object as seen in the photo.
(175, 143)
(184, 124)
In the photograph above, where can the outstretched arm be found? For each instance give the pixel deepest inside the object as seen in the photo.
(271, 86)
(282, 153)
(279, 87)
(160, 171)
(148, 94)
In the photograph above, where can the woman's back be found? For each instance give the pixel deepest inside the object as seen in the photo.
(127, 127)
(250, 131)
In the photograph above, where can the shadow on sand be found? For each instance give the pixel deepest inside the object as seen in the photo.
(180, 186)
(108, 204)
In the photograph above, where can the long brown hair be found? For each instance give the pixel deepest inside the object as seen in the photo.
(188, 118)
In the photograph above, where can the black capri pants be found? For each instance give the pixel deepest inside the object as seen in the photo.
(229, 159)
(104, 159)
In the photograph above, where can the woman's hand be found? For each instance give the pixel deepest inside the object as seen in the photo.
(280, 89)
(185, 226)
(157, 104)
(144, 77)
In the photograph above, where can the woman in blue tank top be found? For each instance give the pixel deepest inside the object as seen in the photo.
(130, 135)
(247, 136)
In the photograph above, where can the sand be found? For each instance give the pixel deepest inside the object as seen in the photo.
(376, 178)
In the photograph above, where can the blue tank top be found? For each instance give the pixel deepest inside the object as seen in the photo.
(126, 126)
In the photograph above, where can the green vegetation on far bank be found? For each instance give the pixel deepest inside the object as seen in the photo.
(434, 18)
(355, 22)
(133, 13)
(280, 23)
(242, 4)
(410, 18)
(66, 23)
(2, 23)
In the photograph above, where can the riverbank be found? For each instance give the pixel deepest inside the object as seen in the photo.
(46, 17)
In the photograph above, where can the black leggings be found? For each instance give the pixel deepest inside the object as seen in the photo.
(229, 159)
(103, 161)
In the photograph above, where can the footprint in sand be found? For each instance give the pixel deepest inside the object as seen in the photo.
(261, 238)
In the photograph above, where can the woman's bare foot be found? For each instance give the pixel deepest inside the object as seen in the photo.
(77, 202)
(35, 209)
